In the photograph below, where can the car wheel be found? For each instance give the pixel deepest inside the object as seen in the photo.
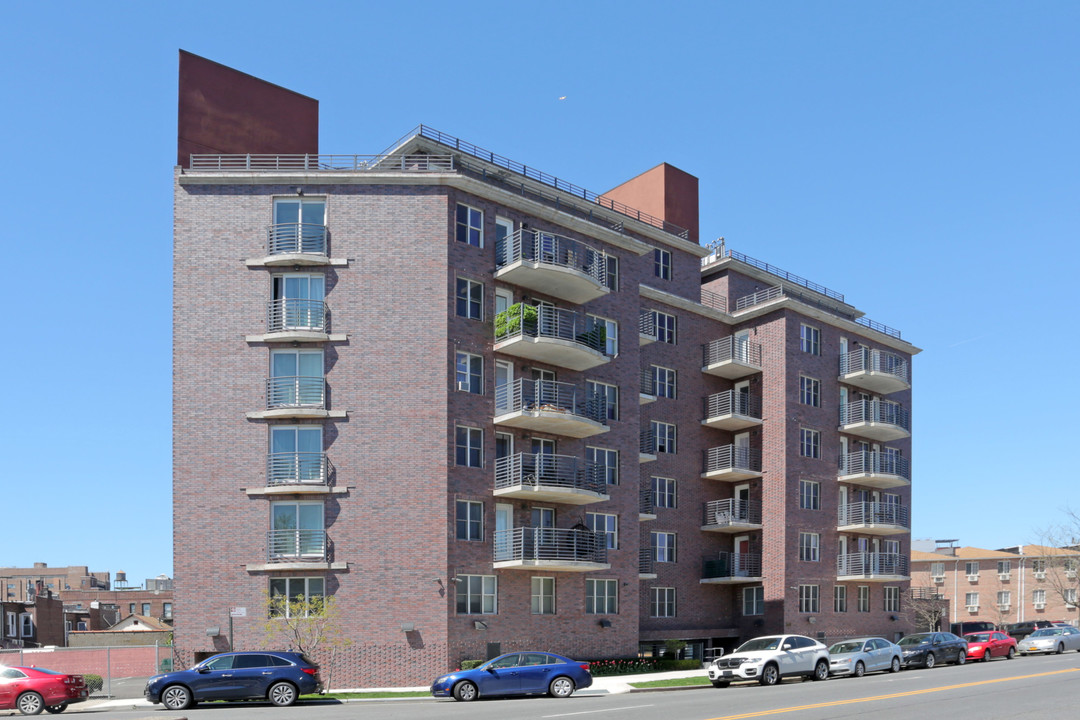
(770, 675)
(821, 670)
(465, 691)
(282, 694)
(961, 657)
(561, 687)
(860, 669)
(930, 660)
(1060, 648)
(30, 703)
(176, 697)
(56, 709)
(895, 667)
(1011, 654)
(720, 683)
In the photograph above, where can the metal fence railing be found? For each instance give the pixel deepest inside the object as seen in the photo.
(733, 348)
(865, 359)
(550, 396)
(725, 513)
(874, 513)
(875, 411)
(537, 543)
(291, 391)
(874, 462)
(298, 468)
(731, 565)
(297, 239)
(296, 314)
(731, 402)
(536, 470)
(111, 664)
(550, 249)
(297, 545)
(732, 457)
(872, 563)
(322, 163)
(548, 321)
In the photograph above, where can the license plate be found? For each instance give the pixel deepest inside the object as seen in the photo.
(728, 673)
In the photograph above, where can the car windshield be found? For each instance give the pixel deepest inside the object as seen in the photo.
(914, 640)
(1046, 632)
(977, 637)
(762, 643)
(845, 647)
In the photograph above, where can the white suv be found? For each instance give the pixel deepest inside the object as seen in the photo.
(772, 657)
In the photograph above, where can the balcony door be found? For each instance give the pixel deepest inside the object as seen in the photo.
(544, 450)
(298, 301)
(742, 398)
(741, 347)
(504, 383)
(297, 377)
(740, 563)
(295, 454)
(299, 210)
(297, 530)
(742, 503)
(504, 531)
(742, 451)
(504, 252)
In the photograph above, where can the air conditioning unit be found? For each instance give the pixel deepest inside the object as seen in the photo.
(1070, 607)
(1004, 576)
(973, 608)
(464, 385)
(1071, 574)
(938, 578)
(1039, 606)
(973, 578)
(1040, 575)
(1004, 607)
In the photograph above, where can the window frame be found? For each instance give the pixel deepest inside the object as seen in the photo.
(542, 601)
(662, 263)
(611, 332)
(664, 546)
(809, 547)
(891, 599)
(809, 494)
(671, 436)
(809, 443)
(863, 598)
(662, 602)
(610, 394)
(810, 339)
(471, 288)
(611, 470)
(473, 372)
(609, 529)
(472, 523)
(291, 595)
(809, 598)
(755, 595)
(666, 378)
(609, 597)
(670, 491)
(840, 598)
(472, 434)
(809, 391)
(487, 595)
(666, 332)
(465, 231)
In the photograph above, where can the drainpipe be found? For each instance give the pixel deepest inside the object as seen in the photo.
(1020, 603)
(955, 590)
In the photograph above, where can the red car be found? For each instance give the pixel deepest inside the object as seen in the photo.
(31, 690)
(987, 645)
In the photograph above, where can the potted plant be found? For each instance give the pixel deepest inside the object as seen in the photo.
(509, 321)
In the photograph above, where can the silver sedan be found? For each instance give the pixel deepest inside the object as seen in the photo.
(1051, 640)
(862, 655)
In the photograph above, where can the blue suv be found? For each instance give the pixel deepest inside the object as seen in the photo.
(279, 677)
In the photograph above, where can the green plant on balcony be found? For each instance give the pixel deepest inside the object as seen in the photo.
(509, 321)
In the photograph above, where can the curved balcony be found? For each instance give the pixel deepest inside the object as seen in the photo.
(731, 410)
(297, 244)
(295, 397)
(873, 518)
(296, 320)
(553, 265)
(731, 516)
(875, 370)
(731, 357)
(875, 469)
(550, 407)
(731, 463)
(554, 549)
(727, 568)
(550, 478)
(297, 546)
(551, 335)
(875, 419)
(298, 472)
(877, 566)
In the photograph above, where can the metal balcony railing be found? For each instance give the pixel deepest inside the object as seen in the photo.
(557, 544)
(296, 314)
(296, 238)
(647, 323)
(645, 561)
(646, 502)
(647, 442)
(874, 462)
(731, 565)
(648, 382)
(723, 513)
(546, 470)
(732, 457)
(732, 348)
(872, 563)
(714, 300)
(295, 391)
(731, 402)
(548, 321)
(550, 396)
(874, 513)
(298, 468)
(297, 546)
(875, 411)
(551, 249)
(323, 163)
(865, 359)
(719, 252)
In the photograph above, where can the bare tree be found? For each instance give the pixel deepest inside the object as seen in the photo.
(926, 608)
(1057, 562)
(309, 625)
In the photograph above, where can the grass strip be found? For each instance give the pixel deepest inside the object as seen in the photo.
(367, 695)
(675, 682)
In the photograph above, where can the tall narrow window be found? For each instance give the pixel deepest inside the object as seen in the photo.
(297, 530)
(664, 492)
(809, 495)
(663, 381)
(610, 332)
(470, 446)
(296, 379)
(663, 546)
(809, 443)
(607, 525)
(601, 597)
(892, 599)
(864, 598)
(665, 434)
(810, 339)
(605, 462)
(809, 547)
(605, 399)
(665, 327)
(662, 264)
(809, 391)
(809, 601)
(839, 598)
(299, 226)
(470, 299)
(662, 602)
(543, 596)
(753, 600)
(470, 520)
(470, 373)
(297, 302)
(470, 225)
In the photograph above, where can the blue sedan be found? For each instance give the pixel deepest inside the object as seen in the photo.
(280, 677)
(518, 673)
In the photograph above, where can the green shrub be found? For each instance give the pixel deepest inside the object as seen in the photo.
(471, 664)
(94, 683)
(636, 666)
(508, 322)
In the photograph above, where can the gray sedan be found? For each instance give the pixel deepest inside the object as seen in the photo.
(862, 655)
(1056, 639)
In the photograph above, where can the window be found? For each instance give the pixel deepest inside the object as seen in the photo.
(296, 455)
(611, 276)
(810, 339)
(166, 610)
(809, 495)
(1069, 596)
(470, 299)
(808, 599)
(601, 597)
(470, 446)
(476, 595)
(27, 621)
(81, 625)
(607, 525)
(1004, 598)
(297, 530)
(296, 379)
(131, 608)
(543, 596)
(839, 598)
(1038, 597)
(470, 373)
(662, 602)
(298, 302)
(809, 443)
(665, 327)
(611, 332)
(146, 609)
(665, 436)
(864, 598)
(663, 490)
(606, 462)
(663, 382)
(663, 546)
(809, 547)
(662, 264)
(937, 570)
(753, 600)
(470, 225)
(299, 226)
(606, 398)
(1004, 567)
(972, 569)
(892, 599)
(470, 520)
(809, 391)
(1038, 567)
(971, 599)
(10, 618)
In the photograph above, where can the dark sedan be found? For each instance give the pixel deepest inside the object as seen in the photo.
(279, 677)
(519, 673)
(929, 649)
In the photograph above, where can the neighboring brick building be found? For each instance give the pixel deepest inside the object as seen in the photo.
(1026, 582)
(537, 417)
(32, 624)
(135, 601)
(20, 584)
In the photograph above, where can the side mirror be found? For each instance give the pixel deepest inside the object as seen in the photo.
(203, 670)
(787, 646)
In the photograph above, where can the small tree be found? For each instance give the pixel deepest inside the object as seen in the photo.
(927, 607)
(309, 625)
(674, 648)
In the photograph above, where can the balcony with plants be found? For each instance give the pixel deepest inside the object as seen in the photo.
(550, 407)
(552, 264)
(551, 335)
(543, 477)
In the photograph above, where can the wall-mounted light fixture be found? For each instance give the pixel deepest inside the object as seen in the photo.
(213, 632)
(479, 625)
(408, 627)
(811, 619)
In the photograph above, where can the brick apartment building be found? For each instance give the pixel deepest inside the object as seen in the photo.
(488, 410)
(23, 584)
(1015, 584)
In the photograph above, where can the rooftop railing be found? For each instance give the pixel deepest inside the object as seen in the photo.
(553, 544)
(731, 565)
(872, 563)
(547, 470)
(875, 411)
(295, 391)
(322, 163)
(298, 468)
(296, 238)
(296, 314)
(550, 396)
(551, 249)
(720, 252)
(874, 513)
(713, 300)
(779, 291)
(865, 359)
(874, 462)
(297, 545)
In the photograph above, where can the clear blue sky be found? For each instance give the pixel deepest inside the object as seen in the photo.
(920, 157)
